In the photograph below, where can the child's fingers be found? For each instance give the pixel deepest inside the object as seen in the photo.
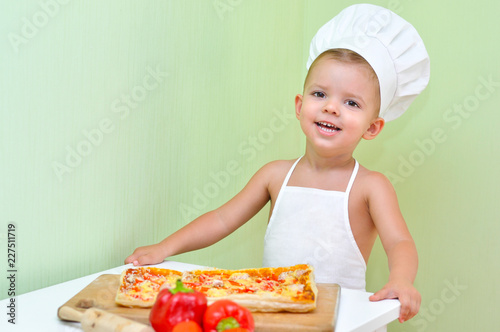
(148, 259)
(136, 260)
(143, 260)
(409, 308)
(414, 308)
(381, 295)
(129, 259)
(404, 312)
(376, 297)
(135, 256)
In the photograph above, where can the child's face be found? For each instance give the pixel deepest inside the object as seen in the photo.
(339, 106)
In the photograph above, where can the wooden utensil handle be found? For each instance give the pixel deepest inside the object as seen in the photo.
(96, 320)
(68, 313)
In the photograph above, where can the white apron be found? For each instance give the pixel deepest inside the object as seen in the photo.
(310, 225)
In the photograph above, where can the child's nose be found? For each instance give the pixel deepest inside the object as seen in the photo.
(331, 108)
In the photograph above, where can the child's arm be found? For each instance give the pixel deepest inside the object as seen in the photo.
(398, 245)
(211, 226)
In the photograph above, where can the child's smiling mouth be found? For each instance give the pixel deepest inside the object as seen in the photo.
(327, 127)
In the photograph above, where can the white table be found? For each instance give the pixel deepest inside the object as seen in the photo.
(37, 310)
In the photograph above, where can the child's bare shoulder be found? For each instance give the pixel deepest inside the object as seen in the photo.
(372, 181)
(278, 166)
(273, 174)
(275, 171)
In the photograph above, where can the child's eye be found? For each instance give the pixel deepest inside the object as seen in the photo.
(318, 94)
(352, 103)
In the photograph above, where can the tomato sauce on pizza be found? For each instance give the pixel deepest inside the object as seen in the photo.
(260, 289)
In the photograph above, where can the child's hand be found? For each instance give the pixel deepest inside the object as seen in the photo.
(152, 254)
(407, 295)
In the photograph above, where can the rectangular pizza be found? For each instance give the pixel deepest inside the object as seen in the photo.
(261, 289)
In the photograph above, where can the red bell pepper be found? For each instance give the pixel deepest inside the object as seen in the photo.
(223, 315)
(176, 305)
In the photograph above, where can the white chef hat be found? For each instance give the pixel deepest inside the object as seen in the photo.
(388, 43)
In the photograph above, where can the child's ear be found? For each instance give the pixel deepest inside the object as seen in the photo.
(298, 105)
(375, 128)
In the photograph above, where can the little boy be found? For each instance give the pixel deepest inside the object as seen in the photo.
(366, 66)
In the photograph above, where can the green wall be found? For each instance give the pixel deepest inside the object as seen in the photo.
(123, 120)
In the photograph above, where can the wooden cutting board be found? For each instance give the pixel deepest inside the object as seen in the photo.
(101, 294)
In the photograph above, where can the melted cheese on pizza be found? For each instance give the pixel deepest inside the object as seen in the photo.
(220, 283)
(140, 286)
(144, 283)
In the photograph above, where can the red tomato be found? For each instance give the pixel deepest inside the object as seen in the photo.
(188, 326)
